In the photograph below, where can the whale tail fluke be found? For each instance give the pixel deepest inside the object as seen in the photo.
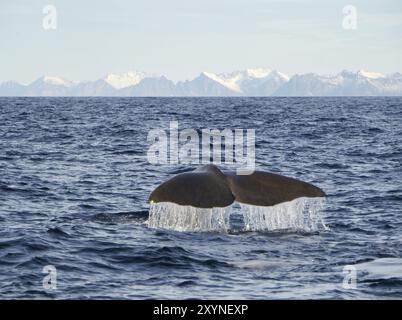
(209, 187)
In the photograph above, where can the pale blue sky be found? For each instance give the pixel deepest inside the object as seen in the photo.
(181, 38)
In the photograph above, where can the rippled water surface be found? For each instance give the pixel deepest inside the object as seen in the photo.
(74, 180)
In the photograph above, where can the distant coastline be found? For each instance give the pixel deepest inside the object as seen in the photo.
(247, 83)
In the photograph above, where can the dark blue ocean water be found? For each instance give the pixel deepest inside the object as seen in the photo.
(74, 180)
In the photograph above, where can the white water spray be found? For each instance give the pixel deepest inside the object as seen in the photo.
(301, 214)
(168, 215)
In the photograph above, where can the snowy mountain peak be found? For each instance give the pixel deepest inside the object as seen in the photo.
(371, 75)
(227, 80)
(396, 75)
(234, 80)
(120, 81)
(56, 81)
(362, 74)
(258, 72)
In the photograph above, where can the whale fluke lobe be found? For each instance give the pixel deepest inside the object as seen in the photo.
(209, 187)
(205, 187)
(268, 189)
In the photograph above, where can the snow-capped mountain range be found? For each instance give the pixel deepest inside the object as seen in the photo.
(249, 82)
